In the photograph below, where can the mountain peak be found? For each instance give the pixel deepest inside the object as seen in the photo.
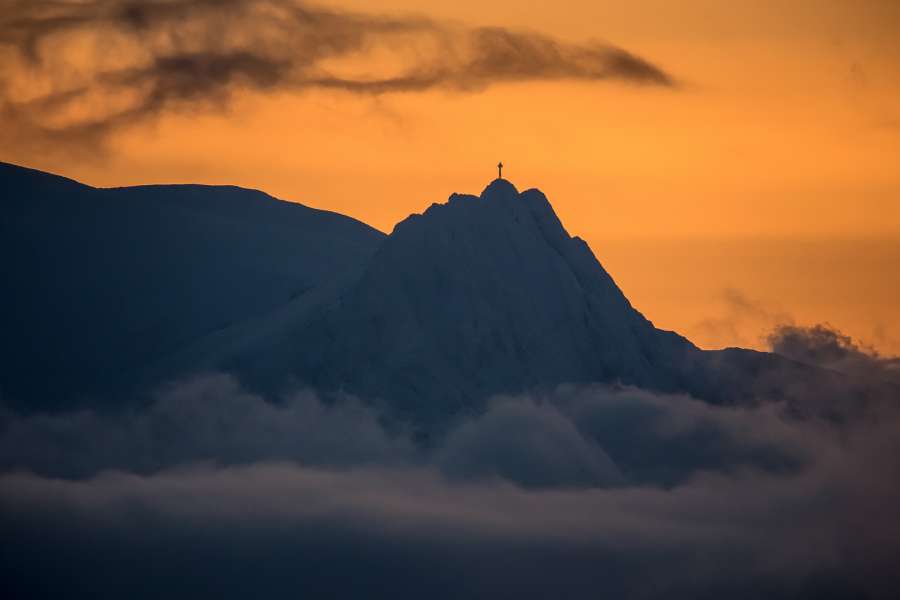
(499, 188)
(475, 297)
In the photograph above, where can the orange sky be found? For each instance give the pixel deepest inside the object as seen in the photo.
(766, 187)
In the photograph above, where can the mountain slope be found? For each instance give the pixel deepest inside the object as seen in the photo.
(102, 282)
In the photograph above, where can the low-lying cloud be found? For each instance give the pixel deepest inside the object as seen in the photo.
(207, 419)
(581, 492)
(78, 71)
(578, 437)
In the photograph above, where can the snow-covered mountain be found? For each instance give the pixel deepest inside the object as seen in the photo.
(482, 295)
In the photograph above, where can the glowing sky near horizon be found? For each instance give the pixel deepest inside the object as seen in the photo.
(765, 187)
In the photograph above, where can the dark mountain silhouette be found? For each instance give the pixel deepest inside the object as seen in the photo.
(127, 288)
(98, 283)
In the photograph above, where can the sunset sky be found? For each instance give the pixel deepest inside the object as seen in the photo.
(762, 186)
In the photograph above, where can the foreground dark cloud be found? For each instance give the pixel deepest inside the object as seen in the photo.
(582, 492)
(76, 71)
(274, 528)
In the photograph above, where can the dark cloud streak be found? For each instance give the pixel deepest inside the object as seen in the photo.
(147, 58)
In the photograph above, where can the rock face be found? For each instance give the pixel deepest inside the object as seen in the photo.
(478, 296)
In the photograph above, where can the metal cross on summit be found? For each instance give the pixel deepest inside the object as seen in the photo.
(499, 170)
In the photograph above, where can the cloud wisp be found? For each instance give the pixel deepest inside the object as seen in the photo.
(77, 71)
(740, 314)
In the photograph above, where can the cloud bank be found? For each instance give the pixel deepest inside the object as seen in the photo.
(581, 492)
(825, 346)
(77, 71)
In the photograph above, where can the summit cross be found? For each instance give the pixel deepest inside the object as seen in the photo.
(499, 170)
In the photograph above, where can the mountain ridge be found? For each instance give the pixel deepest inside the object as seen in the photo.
(108, 280)
(121, 289)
